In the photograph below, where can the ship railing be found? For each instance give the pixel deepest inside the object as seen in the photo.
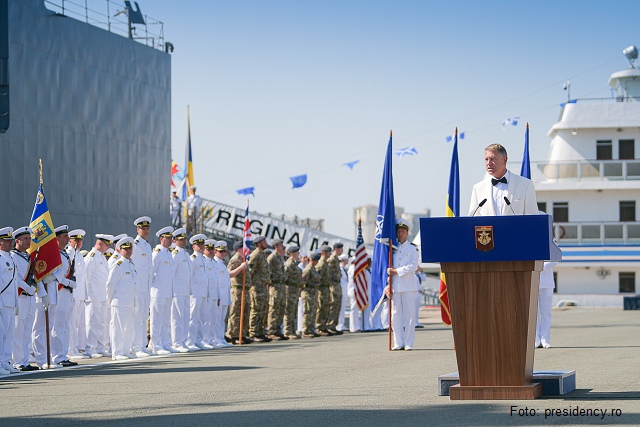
(603, 232)
(591, 170)
(100, 13)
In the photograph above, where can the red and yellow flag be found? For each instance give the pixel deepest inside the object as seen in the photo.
(44, 249)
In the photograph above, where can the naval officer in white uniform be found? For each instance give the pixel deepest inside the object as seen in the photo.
(141, 258)
(404, 287)
(502, 184)
(77, 336)
(97, 272)
(180, 307)
(199, 291)
(161, 293)
(8, 300)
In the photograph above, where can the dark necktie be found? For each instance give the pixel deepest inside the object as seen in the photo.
(496, 181)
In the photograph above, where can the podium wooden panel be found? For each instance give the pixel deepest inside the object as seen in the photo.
(493, 309)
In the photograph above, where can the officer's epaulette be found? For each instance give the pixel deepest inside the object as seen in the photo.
(414, 244)
(137, 241)
(92, 254)
(119, 262)
(156, 250)
(193, 255)
(175, 251)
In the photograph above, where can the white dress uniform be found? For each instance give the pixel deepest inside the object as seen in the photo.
(300, 327)
(144, 267)
(61, 323)
(403, 309)
(344, 284)
(355, 317)
(27, 309)
(121, 294)
(180, 303)
(161, 293)
(194, 202)
(212, 300)
(38, 334)
(198, 301)
(77, 336)
(97, 272)
(220, 311)
(174, 204)
(9, 302)
(545, 297)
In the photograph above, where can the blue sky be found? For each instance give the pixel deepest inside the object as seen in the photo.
(282, 88)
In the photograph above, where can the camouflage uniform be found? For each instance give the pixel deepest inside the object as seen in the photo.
(233, 327)
(335, 304)
(310, 281)
(293, 280)
(260, 279)
(324, 295)
(277, 294)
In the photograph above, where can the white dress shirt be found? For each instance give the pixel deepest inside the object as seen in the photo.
(499, 192)
(405, 261)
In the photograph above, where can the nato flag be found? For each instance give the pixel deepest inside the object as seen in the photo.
(385, 231)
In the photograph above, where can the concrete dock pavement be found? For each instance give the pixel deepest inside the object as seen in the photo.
(348, 380)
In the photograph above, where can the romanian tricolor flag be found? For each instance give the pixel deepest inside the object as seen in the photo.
(44, 249)
(453, 210)
(187, 182)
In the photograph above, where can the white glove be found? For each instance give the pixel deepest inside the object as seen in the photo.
(30, 289)
(71, 284)
(46, 301)
(49, 278)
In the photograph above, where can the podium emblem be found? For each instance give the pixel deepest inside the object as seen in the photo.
(484, 238)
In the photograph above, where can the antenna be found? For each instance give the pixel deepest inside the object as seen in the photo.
(567, 87)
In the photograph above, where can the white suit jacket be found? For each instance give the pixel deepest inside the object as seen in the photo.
(520, 192)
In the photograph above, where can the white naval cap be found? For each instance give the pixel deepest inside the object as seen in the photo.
(125, 243)
(221, 245)
(165, 232)
(109, 252)
(193, 187)
(21, 231)
(61, 230)
(77, 234)
(143, 221)
(343, 256)
(403, 223)
(107, 238)
(210, 243)
(302, 254)
(180, 233)
(119, 237)
(6, 233)
(198, 238)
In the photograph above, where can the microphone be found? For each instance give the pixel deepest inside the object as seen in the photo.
(479, 206)
(509, 204)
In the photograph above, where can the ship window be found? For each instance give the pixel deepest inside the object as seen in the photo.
(626, 149)
(542, 206)
(604, 150)
(561, 211)
(627, 210)
(627, 282)
(555, 280)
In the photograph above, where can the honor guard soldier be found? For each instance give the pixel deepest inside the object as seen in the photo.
(77, 334)
(404, 288)
(310, 282)
(175, 209)
(293, 280)
(260, 280)
(277, 291)
(121, 295)
(324, 292)
(181, 292)
(344, 286)
(199, 291)
(235, 267)
(26, 299)
(8, 300)
(335, 302)
(213, 298)
(224, 293)
(141, 259)
(97, 272)
(161, 293)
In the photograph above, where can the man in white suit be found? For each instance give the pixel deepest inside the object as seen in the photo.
(500, 185)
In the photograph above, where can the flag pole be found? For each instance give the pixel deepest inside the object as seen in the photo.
(390, 266)
(244, 278)
(46, 310)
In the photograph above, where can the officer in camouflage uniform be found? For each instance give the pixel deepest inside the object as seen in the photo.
(277, 291)
(293, 280)
(233, 327)
(335, 303)
(260, 280)
(310, 283)
(324, 292)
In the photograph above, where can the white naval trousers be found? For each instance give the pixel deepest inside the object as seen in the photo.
(197, 319)
(543, 327)
(218, 314)
(403, 318)
(300, 314)
(207, 330)
(78, 330)
(23, 325)
(384, 315)
(94, 323)
(122, 325)
(39, 337)
(179, 320)
(143, 301)
(418, 300)
(107, 324)
(8, 329)
(341, 326)
(160, 324)
(355, 317)
(61, 326)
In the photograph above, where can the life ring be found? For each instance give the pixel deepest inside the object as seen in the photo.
(563, 232)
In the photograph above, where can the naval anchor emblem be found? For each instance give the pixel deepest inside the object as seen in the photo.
(484, 238)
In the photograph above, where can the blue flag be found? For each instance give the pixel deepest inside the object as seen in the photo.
(298, 181)
(407, 151)
(525, 171)
(246, 191)
(385, 231)
(453, 194)
(350, 165)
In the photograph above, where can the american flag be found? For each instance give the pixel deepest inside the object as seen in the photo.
(246, 241)
(359, 276)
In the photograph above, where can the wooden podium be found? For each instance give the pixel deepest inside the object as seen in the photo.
(492, 268)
